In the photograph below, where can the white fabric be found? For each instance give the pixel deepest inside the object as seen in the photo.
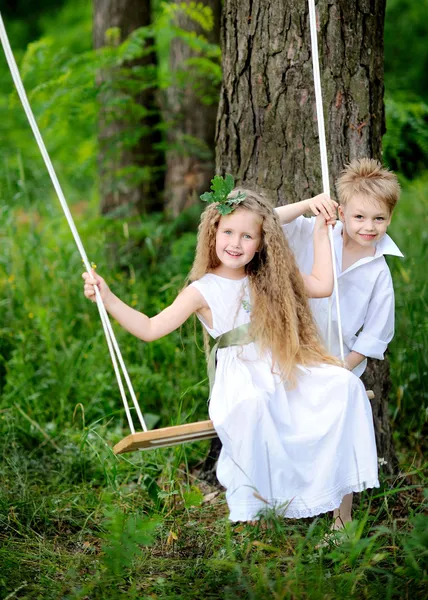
(365, 289)
(301, 450)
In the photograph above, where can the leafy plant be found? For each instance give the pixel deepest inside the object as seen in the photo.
(221, 189)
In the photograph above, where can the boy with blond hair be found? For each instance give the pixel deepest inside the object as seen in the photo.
(367, 194)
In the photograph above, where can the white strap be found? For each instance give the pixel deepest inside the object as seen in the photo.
(324, 165)
(108, 330)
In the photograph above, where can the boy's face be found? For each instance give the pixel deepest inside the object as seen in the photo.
(365, 220)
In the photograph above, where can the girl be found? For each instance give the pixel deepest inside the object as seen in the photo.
(283, 410)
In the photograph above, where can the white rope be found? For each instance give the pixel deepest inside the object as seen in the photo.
(324, 165)
(108, 330)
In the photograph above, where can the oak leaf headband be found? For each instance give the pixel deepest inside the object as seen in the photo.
(221, 188)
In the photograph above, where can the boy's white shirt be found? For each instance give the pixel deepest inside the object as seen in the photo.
(366, 293)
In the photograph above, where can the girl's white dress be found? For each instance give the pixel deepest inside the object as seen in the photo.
(296, 451)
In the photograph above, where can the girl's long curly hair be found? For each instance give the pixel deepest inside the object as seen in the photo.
(281, 320)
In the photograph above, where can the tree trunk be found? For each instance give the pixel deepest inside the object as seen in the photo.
(266, 128)
(267, 131)
(191, 123)
(130, 170)
(377, 378)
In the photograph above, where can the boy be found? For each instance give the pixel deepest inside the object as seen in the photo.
(367, 195)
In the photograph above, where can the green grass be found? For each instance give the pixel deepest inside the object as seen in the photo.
(100, 535)
(78, 522)
(408, 357)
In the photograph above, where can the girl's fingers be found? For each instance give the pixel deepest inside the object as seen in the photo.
(91, 279)
(325, 213)
(330, 208)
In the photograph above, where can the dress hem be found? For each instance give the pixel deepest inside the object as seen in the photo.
(283, 508)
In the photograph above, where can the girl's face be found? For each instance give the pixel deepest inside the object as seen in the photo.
(238, 238)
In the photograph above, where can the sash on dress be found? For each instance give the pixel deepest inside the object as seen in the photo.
(240, 336)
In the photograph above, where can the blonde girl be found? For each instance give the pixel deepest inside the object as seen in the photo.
(284, 410)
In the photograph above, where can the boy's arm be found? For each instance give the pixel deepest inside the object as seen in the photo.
(318, 204)
(190, 300)
(378, 328)
(319, 284)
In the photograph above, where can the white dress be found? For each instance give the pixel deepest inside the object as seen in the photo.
(295, 451)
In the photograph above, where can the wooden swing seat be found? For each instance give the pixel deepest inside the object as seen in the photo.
(172, 436)
(166, 436)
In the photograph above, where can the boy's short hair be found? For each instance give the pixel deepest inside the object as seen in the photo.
(368, 177)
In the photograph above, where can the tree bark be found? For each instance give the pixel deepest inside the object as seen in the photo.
(377, 378)
(191, 123)
(266, 128)
(130, 173)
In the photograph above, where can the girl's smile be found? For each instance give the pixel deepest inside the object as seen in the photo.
(238, 239)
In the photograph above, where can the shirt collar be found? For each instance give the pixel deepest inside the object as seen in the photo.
(387, 246)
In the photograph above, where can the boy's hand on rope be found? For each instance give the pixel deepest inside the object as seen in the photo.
(90, 281)
(324, 205)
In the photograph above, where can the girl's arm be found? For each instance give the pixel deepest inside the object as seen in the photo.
(318, 204)
(190, 300)
(319, 284)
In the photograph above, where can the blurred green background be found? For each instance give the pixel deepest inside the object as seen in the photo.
(59, 405)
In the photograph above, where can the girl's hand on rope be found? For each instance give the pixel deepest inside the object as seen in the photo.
(324, 205)
(321, 224)
(90, 281)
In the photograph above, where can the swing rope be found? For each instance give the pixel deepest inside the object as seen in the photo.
(324, 168)
(108, 330)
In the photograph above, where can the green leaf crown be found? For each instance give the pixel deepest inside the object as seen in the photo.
(221, 188)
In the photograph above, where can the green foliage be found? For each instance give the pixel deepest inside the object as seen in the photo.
(408, 358)
(122, 541)
(405, 145)
(416, 547)
(221, 188)
(24, 18)
(406, 50)
(201, 73)
(34, 293)
(198, 12)
(60, 72)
